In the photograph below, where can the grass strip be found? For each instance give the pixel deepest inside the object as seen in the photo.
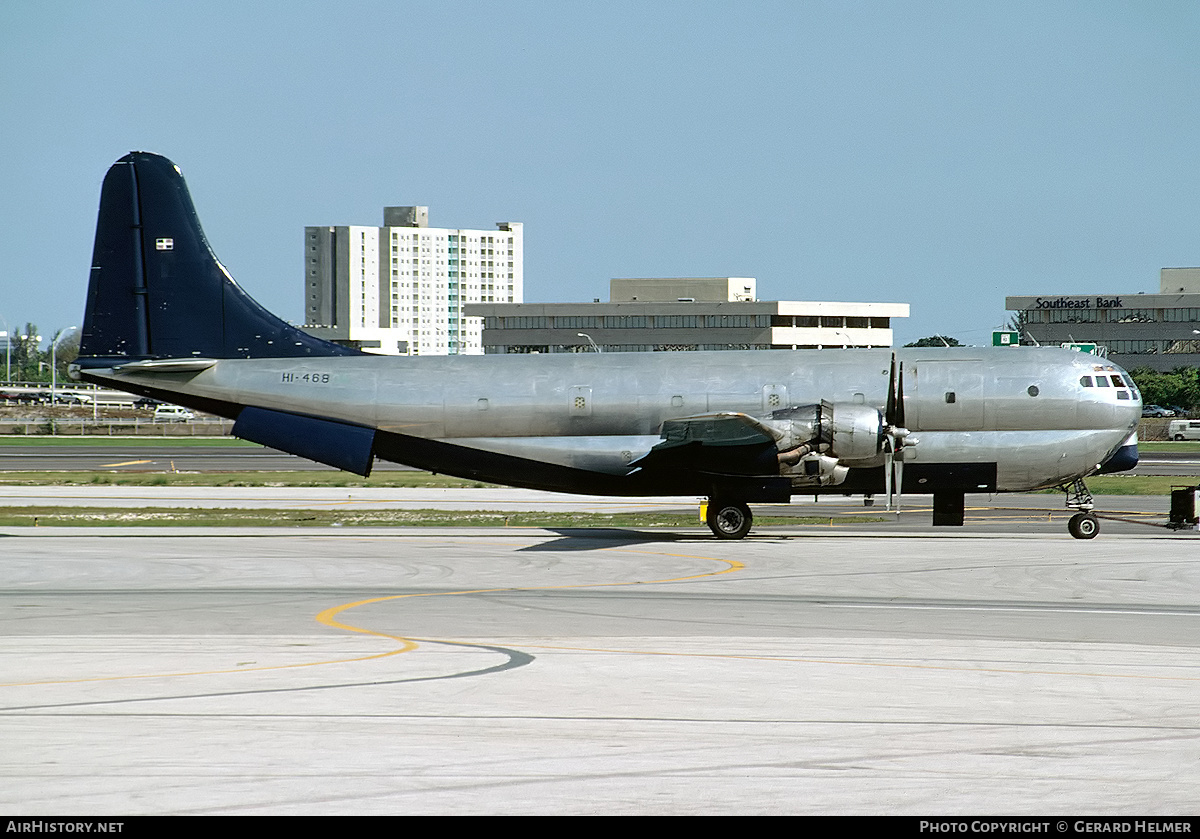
(328, 478)
(1137, 484)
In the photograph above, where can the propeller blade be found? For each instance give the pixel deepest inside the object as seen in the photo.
(889, 413)
(894, 433)
(888, 458)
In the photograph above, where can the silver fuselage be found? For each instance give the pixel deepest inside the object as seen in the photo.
(1024, 409)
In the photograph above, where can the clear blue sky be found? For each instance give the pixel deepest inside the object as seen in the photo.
(943, 154)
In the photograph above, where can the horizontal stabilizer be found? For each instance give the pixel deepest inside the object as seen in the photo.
(167, 365)
(336, 444)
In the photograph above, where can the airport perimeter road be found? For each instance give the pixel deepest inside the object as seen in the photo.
(525, 671)
(1168, 463)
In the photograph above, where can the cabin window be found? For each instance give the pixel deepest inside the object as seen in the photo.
(950, 397)
(1033, 390)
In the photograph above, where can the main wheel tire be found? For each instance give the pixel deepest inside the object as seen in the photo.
(729, 519)
(1084, 526)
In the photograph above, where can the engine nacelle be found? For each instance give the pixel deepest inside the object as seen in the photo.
(844, 431)
(857, 432)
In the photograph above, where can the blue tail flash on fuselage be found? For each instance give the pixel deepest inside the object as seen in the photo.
(158, 291)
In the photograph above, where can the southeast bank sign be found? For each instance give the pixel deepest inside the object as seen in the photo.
(1078, 303)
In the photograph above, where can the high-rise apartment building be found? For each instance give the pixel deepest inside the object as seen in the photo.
(400, 289)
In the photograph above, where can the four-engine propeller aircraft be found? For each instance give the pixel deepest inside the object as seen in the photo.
(164, 319)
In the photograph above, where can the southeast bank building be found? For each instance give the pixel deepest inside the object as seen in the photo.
(1160, 331)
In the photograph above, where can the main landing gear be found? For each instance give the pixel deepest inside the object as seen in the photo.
(1084, 524)
(732, 519)
(728, 519)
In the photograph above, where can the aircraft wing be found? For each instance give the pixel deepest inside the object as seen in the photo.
(727, 449)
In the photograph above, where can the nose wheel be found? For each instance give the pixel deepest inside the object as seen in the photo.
(728, 519)
(1084, 526)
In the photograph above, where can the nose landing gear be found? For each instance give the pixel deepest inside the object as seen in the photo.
(1084, 524)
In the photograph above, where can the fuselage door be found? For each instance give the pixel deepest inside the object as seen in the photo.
(945, 395)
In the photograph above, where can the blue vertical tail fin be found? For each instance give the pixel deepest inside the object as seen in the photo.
(158, 291)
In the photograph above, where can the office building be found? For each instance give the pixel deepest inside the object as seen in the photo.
(685, 313)
(402, 288)
(1160, 331)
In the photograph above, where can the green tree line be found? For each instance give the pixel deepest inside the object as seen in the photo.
(1180, 387)
(25, 359)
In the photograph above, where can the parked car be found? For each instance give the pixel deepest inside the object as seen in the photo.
(172, 413)
(1156, 411)
(24, 397)
(1184, 430)
(146, 402)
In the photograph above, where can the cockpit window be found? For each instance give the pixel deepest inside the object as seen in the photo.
(1086, 381)
(1102, 381)
(1117, 382)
